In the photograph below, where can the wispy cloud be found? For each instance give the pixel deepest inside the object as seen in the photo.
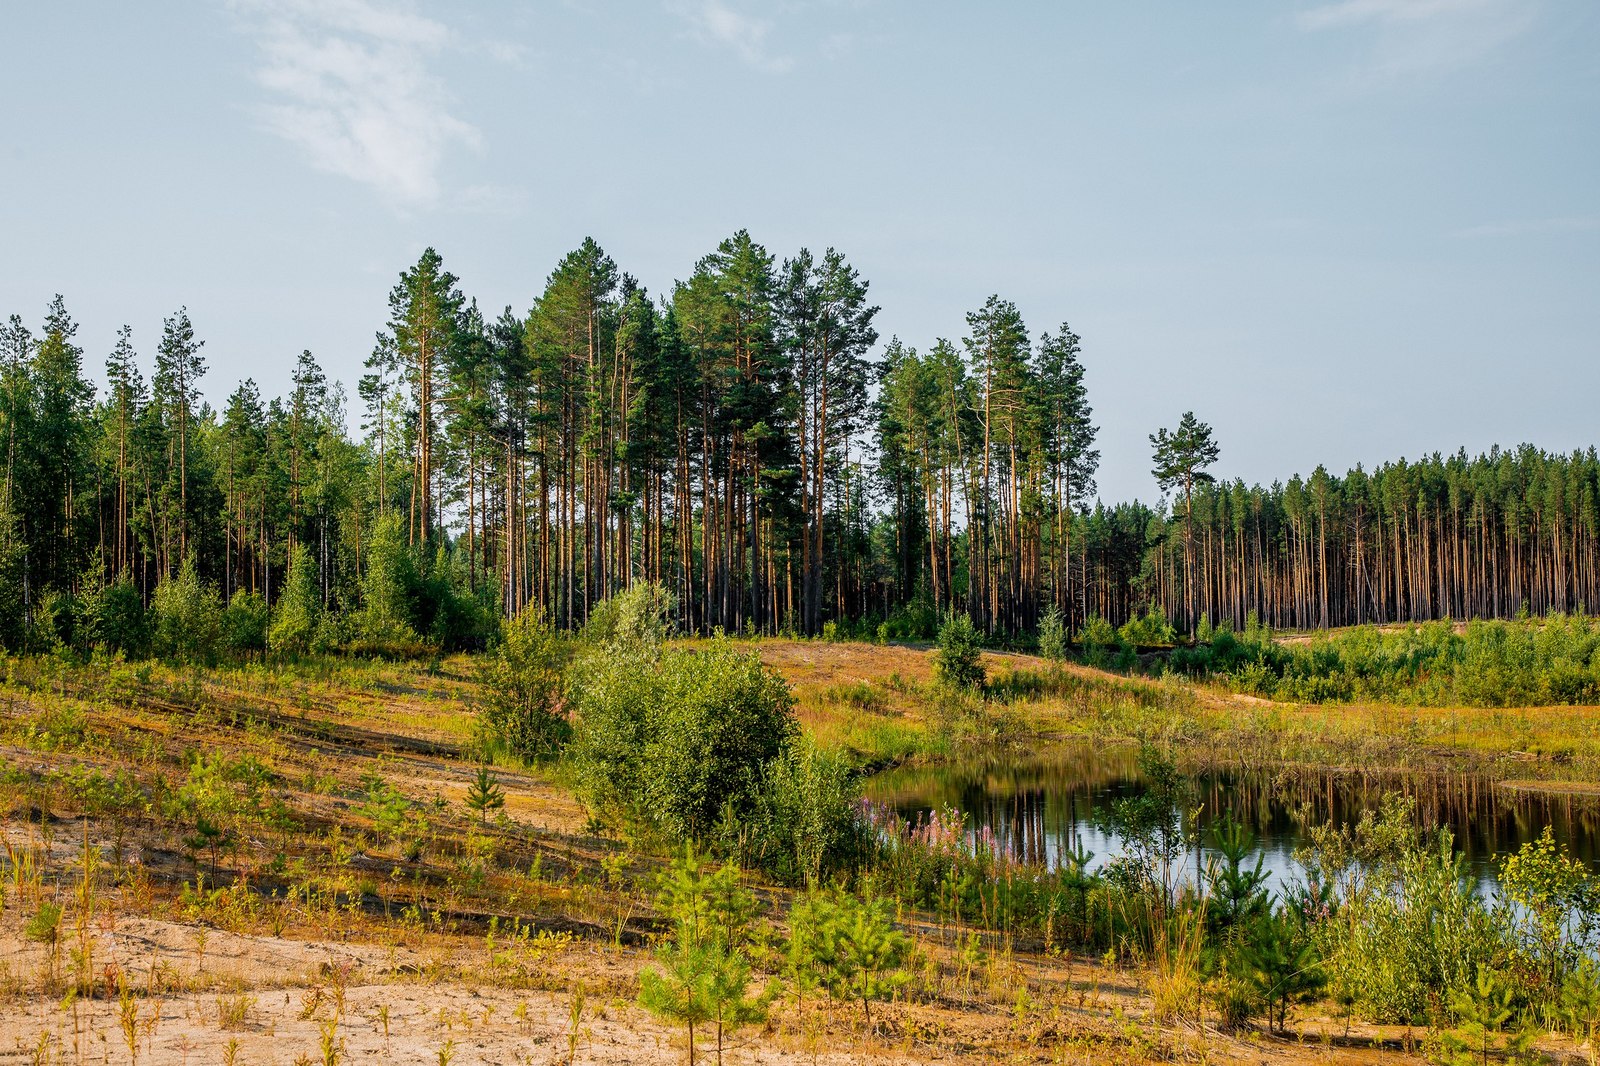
(350, 86)
(1424, 36)
(1528, 226)
(722, 25)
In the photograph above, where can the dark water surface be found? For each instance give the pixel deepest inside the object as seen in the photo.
(1042, 805)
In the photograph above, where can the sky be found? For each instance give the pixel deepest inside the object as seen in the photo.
(1340, 231)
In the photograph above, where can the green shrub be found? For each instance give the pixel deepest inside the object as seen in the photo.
(117, 621)
(1404, 922)
(670, 744)
(1280, 962)
(1099, 639)
(1554, 910)
(957, 661)
(634, 623)
(702, 974)
(188, 617)
(917, 620)
(55, 621)
(522, 689)
(13, 577)
(805, 820)
(484, 794)
(245, 623)
(1487, 1025)
(297, 615)
(455, 616)
(387, 588)
(1053, 634)
(1150, 630)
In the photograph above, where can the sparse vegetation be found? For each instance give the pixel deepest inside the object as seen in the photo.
(201, 791)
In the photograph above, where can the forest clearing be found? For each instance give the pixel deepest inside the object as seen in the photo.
(282, 863)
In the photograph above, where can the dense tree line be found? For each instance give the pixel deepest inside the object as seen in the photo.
(745, 442)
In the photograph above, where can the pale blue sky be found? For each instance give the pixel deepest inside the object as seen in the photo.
(1339, 230)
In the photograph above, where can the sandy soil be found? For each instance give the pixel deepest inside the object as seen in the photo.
(275, 1000)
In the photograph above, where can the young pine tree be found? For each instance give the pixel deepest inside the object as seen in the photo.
(703, 975)
(298, 615)
(485, 795)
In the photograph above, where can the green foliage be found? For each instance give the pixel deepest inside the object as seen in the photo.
(13, 575)
(44, 926)
(522, 689)
(484, 794)
(1487, 1026)
(454, 616)
(188, 617)
(55, 621)
(384, 621)
(297, 616)
(1053, 634)
(395, 817)
(669, 744)
(703, 975)
(1281, 963)
(957, 662)
(1489, 664)
(116, 620)
(847, 946)
(805, 819)
(1099, 640)
(1404, 922)
(635, 623)
(1555, 907)
(245, 623)
(1152, 830)
(1148, 630)
(1238, 893)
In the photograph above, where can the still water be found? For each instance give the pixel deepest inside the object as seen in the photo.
(1043, 805)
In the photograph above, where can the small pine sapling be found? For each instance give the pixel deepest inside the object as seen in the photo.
(703, 976)
(848, 946)
(1484, 1013)
(485, 795)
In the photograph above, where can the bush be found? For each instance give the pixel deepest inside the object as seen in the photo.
(1053, 635)
(387, 588)
(1148, 631)
(1280, 964)
(1554, 907)
(522, 687)
(806, 817)
(55, 621)
(298, 614)
(188, 613)
(454, 615)
(634, 623)
(917, 620)
(670, 744)
(13, 601)
(956, 662)
(117, 620)
(1099, 640)
(1407, 925)
(703, 974)
(245, 622)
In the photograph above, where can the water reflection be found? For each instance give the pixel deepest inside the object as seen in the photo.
(1041, 806)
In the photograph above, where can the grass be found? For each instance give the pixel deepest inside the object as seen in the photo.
(884, 715)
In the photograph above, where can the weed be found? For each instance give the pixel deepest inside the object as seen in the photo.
(233, 1012)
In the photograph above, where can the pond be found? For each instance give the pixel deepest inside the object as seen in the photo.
(1044, 805)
